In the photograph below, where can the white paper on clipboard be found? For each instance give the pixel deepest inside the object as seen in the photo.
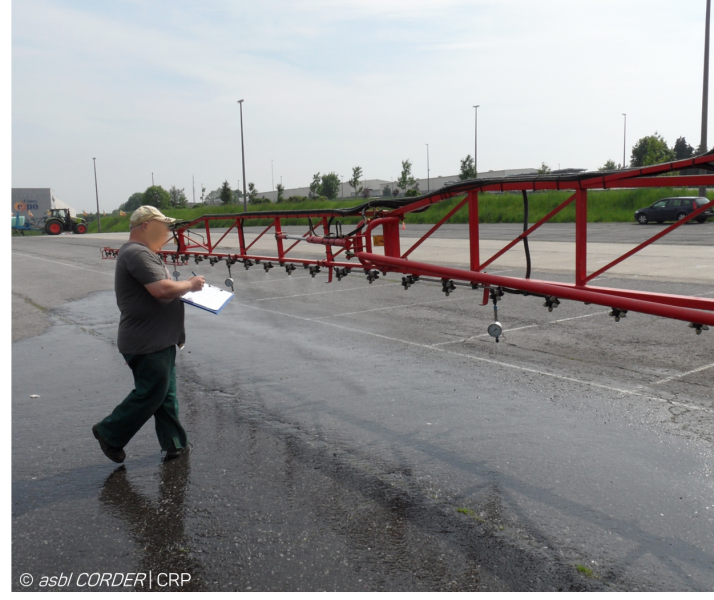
(210, 298)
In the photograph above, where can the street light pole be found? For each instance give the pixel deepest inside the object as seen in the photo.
(428, 179)
(242, 153)
(624, 141)
(272, 174)
(152, 180)
(705, 94)
(476, 140)
(96, 191)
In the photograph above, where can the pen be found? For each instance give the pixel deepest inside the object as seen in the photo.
(194, 273)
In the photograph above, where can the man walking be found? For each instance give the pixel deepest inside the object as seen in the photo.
(150, 327)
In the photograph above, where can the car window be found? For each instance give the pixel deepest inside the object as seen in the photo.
(674, 202)
(659, 204)
(702, 201)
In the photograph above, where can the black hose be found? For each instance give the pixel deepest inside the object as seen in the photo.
(525, 239)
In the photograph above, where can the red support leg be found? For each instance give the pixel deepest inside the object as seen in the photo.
(474, 243)
(581, 237)
(390, 229)
(279, 240)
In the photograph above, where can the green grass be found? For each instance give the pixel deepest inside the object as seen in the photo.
(585, 570)
(604, 206)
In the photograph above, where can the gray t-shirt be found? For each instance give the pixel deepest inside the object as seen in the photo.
(147, 324)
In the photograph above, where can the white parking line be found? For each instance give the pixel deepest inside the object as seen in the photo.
(325, 292)
(358, 312)
(288, 278)
(673, 377)
(484, 360)
(471, 337)
(65, 264)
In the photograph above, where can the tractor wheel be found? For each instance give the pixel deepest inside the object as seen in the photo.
(53, 227)
(80, 228)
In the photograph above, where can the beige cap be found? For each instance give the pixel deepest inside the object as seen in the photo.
(148, 213)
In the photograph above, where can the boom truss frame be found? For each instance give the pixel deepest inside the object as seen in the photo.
(354, 250)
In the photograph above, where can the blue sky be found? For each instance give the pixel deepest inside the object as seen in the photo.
(152, 87)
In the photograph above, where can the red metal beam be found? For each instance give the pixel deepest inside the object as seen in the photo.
(579, 294)
(443, 220)
(528, 231)
(654, 238)
(581, 237)
(474, 240)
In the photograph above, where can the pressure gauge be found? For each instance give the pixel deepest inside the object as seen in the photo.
(495, 330)
(176, 275)
(229, 283)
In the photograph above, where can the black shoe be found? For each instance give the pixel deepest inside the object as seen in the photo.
(174, 453)
(116, 454)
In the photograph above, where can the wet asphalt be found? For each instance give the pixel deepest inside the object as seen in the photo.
(362, 437)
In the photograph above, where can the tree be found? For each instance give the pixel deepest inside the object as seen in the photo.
(252, 191)
(386, 191)
(237, 197)
(134, 202)
(330, 185)
(544, 169)
(316, 186)
(213, 197)
(650, 150)
(468, 170)
(682, 149)
(226, 193)
(354, 181)
(406, 180)
(178, 197)
(280, 189)
(157, 196)
(609, 166)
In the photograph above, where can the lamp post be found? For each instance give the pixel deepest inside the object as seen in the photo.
(705, 94)
(242, 153)
(624, 141)
(476, 140)
(428, 179)
(152, 180)
(96, 191)
(272, 174)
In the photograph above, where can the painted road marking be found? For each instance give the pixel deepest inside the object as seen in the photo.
(673, 377)
(65, 264)
(484, 360)
(471, 337)
(357, 312)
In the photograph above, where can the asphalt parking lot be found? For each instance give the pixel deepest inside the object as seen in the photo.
(350, 436)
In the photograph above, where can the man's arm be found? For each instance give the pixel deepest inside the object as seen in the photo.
(167, 289)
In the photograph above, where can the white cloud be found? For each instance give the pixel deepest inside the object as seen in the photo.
(152, 86)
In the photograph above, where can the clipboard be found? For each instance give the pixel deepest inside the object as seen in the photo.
(210, 298)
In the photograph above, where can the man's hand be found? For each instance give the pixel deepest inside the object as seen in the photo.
(197, 283)
(167, 289)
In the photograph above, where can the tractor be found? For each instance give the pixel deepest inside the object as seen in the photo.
(59, 220)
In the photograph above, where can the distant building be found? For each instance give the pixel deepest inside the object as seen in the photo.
(375, 187)
(36, 202)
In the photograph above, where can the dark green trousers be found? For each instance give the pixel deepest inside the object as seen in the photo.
(154, 395)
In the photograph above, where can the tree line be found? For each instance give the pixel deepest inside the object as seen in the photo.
(649, 150)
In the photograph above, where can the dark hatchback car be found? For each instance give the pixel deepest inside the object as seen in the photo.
(673, 209)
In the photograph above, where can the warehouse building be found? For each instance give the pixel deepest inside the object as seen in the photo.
(35, 202)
